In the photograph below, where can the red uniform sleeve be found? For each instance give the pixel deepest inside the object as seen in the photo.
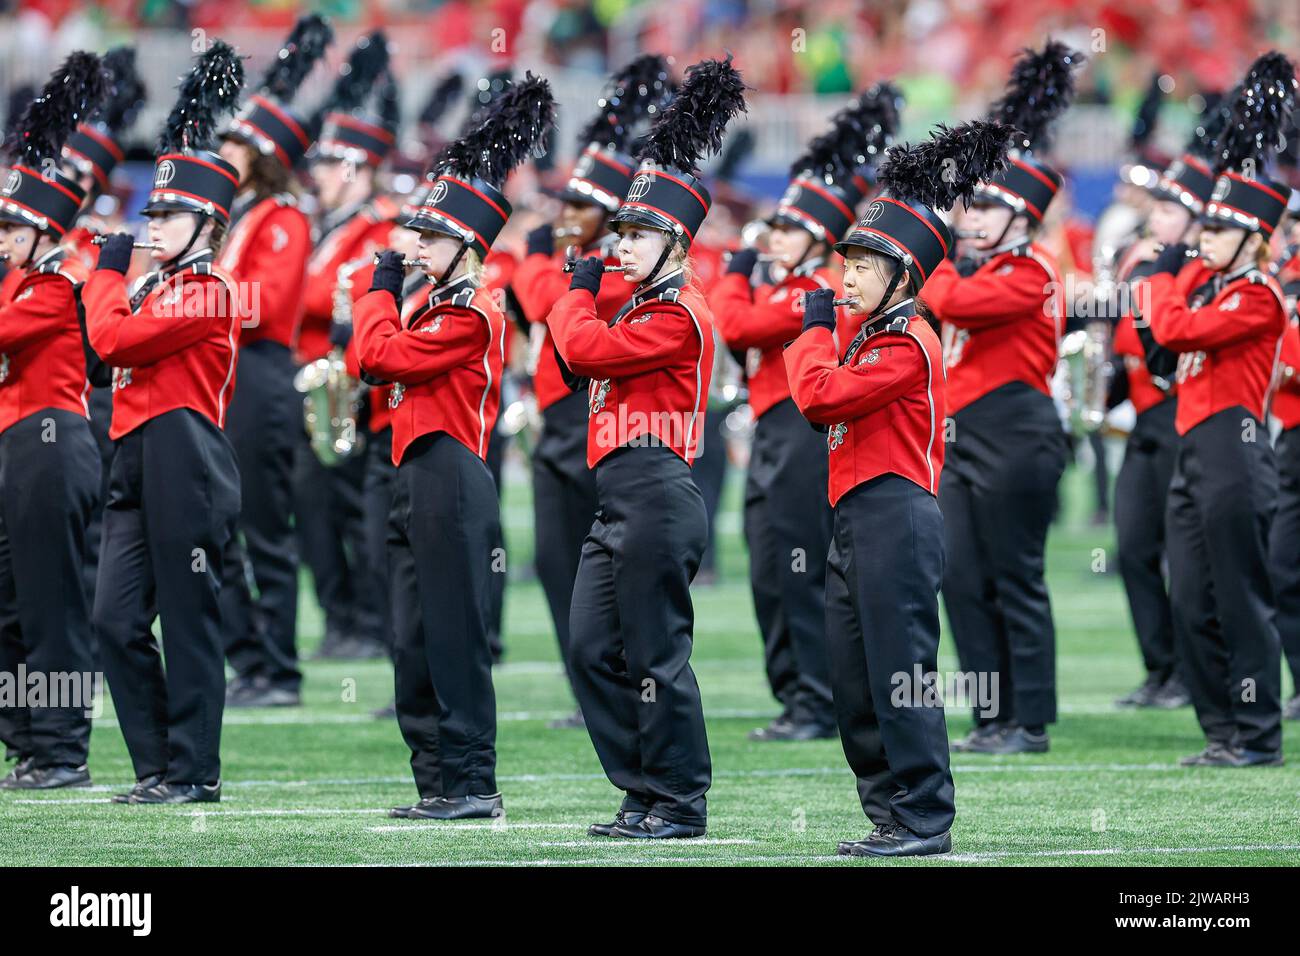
(44, 308)
(125, 339)
(746, 324)
(637, 344)
(827, 392)
(990, 296)
(538, 283)
(1177, 326)
(412, 356)
(279, 266)
(1290, 359)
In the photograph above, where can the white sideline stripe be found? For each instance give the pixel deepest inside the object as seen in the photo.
(624, 844)
(443, 827)
(1009, 767)
(1123, 851)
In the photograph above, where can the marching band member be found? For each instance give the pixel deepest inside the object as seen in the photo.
(90, 155)
(49, 464)
(1002, 330)
(882, 399)
(352, 224)
(266, 252)
(631, 621)
(564, 488)
(1285, 535)
(786, 515)
(1225, 315)
(1145, 375)
(174, 485)
(446, 367)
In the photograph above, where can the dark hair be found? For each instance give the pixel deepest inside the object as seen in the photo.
(268, 176)
(924, 311)
(217, 236)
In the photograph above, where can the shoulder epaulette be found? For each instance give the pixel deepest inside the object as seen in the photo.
(464, 298)
(669, 295)
(285, 199)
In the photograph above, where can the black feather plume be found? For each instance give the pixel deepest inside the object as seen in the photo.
(486, 92)
(444, 94)
(641, 88)
(1040, 89)
(304, 46)
(19, 98)
(126, 92)
(736, 150)
(366, 65)
(694, 123)
(388, 102)
(71, 95)
(949, 166)
(859, 133)
(211, 88)
(1148, 114)
(513, 125)
(1210, 125)
(1260, 113)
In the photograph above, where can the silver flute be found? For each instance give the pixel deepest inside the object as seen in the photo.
(972, 234)
(848, 300)
(569, 265)
(406, 263)
(100, 240)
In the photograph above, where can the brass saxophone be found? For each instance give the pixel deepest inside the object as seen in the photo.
(331, 397)
(1091, 378)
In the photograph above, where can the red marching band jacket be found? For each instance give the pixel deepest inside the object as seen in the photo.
(445, 362)
(266, 253)
(1228, 340)
(883, 402)
(174, 342)
(42, 363)
(761, 321)
(539, 282)
(1002, 324)
(360, 236)
(1142, 392)
(1286, 399)
(649, 371)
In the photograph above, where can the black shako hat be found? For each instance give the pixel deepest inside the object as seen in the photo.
(919, 181)
(352, 129)
(1040, 89)
(605, 169)
(268, 123)
(465, 200)
(826, 185)
(34, 192)
(187, 175)
(1260, 113)
(667, 193)
(95, 146)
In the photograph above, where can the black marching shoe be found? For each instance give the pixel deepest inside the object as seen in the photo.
(52, 778)
(898, 840)
(1020, 740)
(624, 818)
(795, 730)
(979, 740)
(141, 785)
(1213, 749)
(472, 806)
(1292, 709)
(1173, 694)
(778, 725)
(387, 712)
(260, 693)
(652, 827)
(1146, 695)
(573, 721)
(1239, 757)
(178, 793)
(21, 767)
(844, 845)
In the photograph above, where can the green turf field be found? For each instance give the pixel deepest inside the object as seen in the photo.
(310, 785)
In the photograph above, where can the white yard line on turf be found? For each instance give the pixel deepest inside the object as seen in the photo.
(443, 828)
(1122, 851)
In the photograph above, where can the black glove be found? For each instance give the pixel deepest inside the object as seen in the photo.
(818, 310)
(542, 239)
(1172, 258)
(115, 253)
(389, 274)
(743, 261)
(340, 334)
(587, 274)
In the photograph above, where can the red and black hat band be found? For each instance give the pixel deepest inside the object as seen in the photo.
(1253, 204)
(274, 130)
(48, 202)
(95, 148)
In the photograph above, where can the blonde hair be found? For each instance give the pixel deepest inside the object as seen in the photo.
(473, 265)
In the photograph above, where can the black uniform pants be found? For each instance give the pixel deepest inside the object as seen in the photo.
(564, 504)
(330, 518)
(101, 420)
(49, 488)
(882, 624)
(264, 423)
(787, 530)
(710, 473)
(1221, 504)
(1141, 490)
(631, 633)
(376, 505)
(998, 496)
(1284, 549)
(496, 457)
(441, 535)
(173, 504)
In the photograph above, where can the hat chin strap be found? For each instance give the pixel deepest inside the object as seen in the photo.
(194, 237)
(892, 285)
(663, 257)
(1245, 236)
(448, 272)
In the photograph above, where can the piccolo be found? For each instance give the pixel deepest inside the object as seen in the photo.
(569, 265)
(845, 301)
(406, 263)
(561, 232)
(972, 234)
(100, 240)
(762, 256)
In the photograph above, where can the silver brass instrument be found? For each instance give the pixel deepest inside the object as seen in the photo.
(331, 397)
(1088, 383)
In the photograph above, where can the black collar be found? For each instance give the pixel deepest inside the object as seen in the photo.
(449, 289)
(894, 319)
(674, 280)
